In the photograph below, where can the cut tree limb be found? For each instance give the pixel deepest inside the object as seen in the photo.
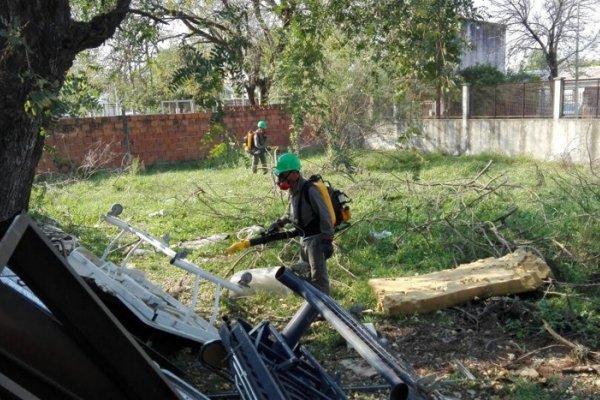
(517, 272)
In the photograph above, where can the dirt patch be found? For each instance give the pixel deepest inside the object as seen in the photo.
(469, 350)
(479, 358)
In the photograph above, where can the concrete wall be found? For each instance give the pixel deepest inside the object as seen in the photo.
(153, 138)
(178, 137)
(544, 139)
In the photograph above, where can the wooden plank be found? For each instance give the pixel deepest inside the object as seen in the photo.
(517, 272)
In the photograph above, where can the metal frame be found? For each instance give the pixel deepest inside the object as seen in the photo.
(263, 367)
(80, 350)
(147, 301)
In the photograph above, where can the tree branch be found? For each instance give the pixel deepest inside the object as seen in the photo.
(87, 35)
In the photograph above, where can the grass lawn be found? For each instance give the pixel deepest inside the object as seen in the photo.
(436, 211)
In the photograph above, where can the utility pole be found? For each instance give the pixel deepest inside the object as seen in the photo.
(576, 97)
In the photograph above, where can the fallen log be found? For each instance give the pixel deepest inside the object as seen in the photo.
(517, 272)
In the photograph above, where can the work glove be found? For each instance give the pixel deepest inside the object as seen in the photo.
(327, 248)
(274, 227)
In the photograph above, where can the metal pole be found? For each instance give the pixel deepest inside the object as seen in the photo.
(401, 378)
(597, 96)
(299, 323)
(576, 98)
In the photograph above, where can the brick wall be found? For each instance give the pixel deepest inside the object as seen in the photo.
(154, 138)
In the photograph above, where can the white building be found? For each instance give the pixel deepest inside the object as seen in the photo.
(487, 45)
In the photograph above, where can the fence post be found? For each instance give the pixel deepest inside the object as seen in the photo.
(465, 101)
(466, 113)
(495, 100)
(126, 142)
(523, 102)
(558, 95)
(597, 97)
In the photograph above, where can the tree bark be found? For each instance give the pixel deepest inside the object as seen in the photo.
(250, 91)
(38, 45)
(552, 61)
(264, 88)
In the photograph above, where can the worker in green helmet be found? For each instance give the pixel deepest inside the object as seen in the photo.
(259, 148)
(309, 213)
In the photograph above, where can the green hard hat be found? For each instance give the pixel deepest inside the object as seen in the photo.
(287, 162)
(262, 125)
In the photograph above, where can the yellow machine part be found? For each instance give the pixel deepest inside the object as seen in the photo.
(241, 245)
(346, 214)
(325, 193)
(249, 141)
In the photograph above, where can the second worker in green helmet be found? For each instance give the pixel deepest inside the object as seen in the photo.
(309, 213)
(259, 147)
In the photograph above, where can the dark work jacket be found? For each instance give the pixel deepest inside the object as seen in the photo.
(260, 142)
(315, 218)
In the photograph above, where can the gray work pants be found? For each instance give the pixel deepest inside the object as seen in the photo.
(310, 252)
(263, 160)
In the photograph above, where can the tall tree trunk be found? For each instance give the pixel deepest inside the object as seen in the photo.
(250, 91)
(264, 88)
(552, 60)
(20, 150)
(38, 44)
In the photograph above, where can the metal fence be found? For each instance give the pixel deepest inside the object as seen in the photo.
(450, 105)
(578, 99)
(177, 106)
(512, 100)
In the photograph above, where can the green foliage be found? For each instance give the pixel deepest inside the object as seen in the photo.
(553, 389)
(136, 167)
(482, 74)
(415, 40)
(135, 71)
(525, 390)
(518, 328)
(11, 33)
(233, 42)
(357, 97)
(85, 10)
(535, 62)
(571, 314)
(78, 96)
(207, 71)
(521, 77)
(42, 99)
(398, 162)
(224, 155)
(224, 151)
(300, 69)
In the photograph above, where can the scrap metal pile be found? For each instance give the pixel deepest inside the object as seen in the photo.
(72, 327)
